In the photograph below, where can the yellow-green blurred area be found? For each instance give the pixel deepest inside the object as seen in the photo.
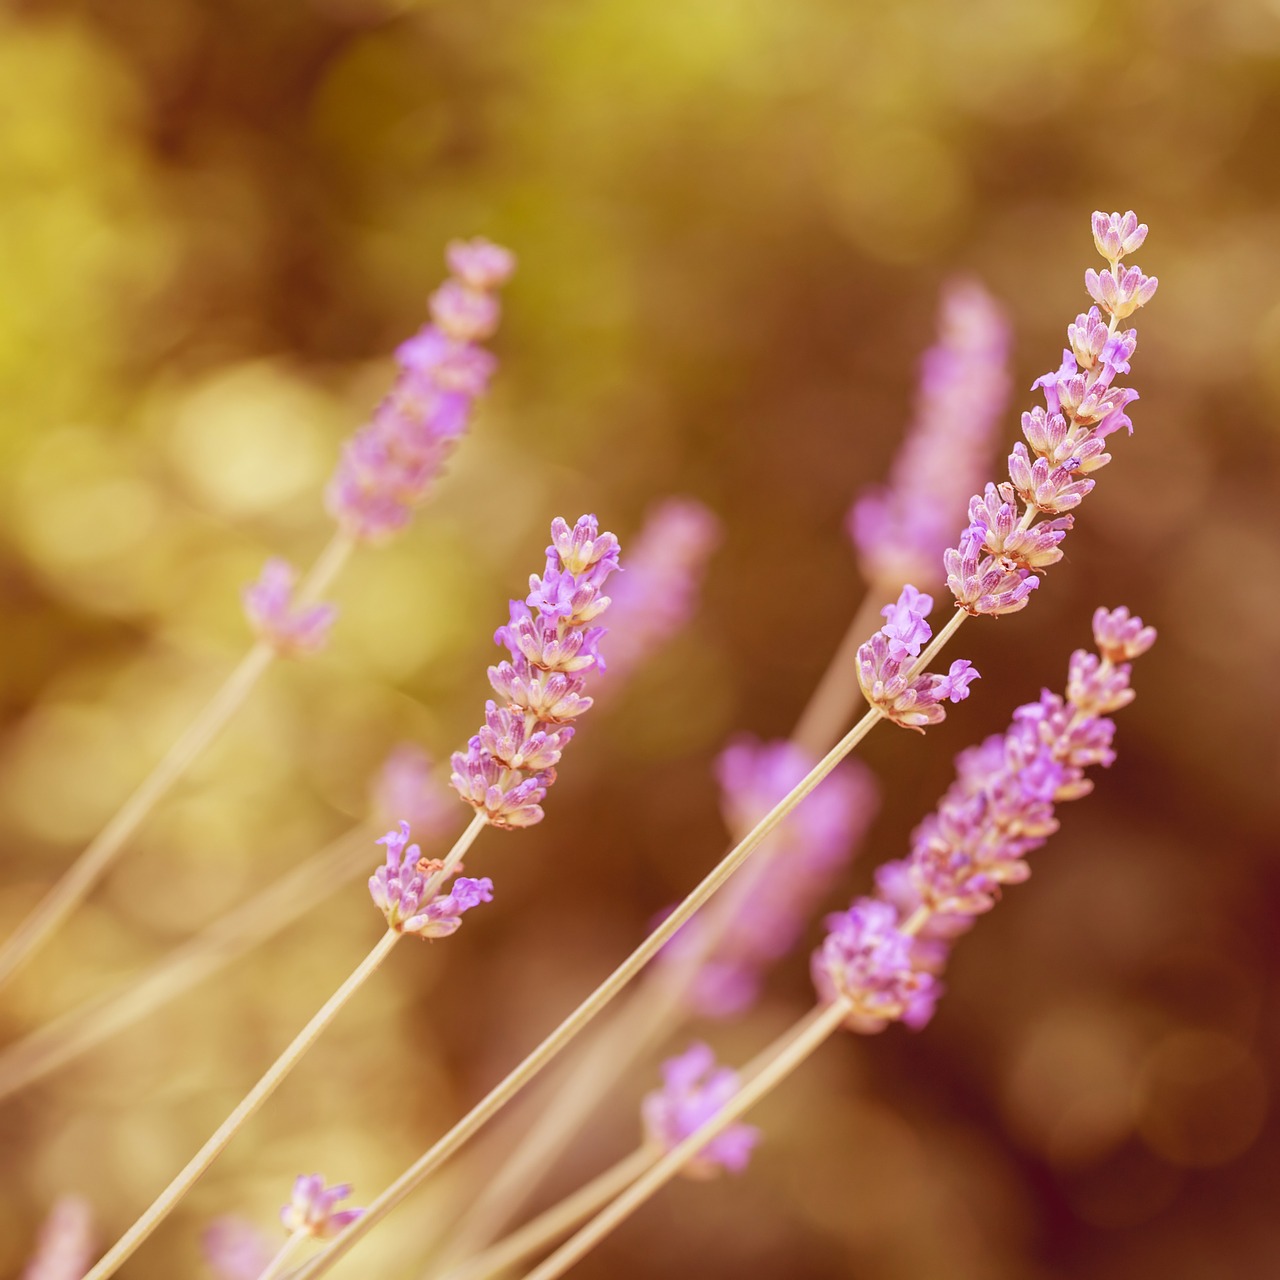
(732, 219)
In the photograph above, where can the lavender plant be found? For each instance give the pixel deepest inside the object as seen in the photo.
(66, 1242)
(867, 971)
(385, 471)
(1083, 408)
(553, 643)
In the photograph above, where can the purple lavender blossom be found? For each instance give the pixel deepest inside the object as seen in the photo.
(1001, 806)
(405, 788)
(313, 1211)
(268, 604)
(389, 465)
(65, 1247)
(885, 662)
(235, 1249)
(656, 595)
(693, 1090)
(508, 766)
(900, 531)
(883, 954)
(992, 567)
(867, 960)
(769, 904)
(399, 886)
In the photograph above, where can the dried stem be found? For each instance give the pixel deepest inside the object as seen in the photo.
(267, 913)
(810, 1033)
(91, 865)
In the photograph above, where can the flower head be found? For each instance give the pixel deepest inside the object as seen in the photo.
(404, 786)
(693, 1090)
(992, 566)
(268, 604)
(313, 1208)
(867, 960)
(402, 890)
(389, 465)
(885, 665)
(657, 594)
(64, 1250)
(553, 645)
(235, 1249)
(901, 530)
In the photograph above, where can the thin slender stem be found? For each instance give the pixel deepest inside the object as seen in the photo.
(169, 1198)
(810, 1033)
(562, 1217)
(102, 851)
(582, 1016)
(267, 913)
(278, 1263)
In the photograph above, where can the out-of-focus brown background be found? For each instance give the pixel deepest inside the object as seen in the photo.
(732, 220)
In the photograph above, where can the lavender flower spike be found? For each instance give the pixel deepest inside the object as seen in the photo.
(398, 889)
(900, 531)
(885, 661)
(657, 594)
(554, 645)
(992, 567)
(404, 786)
(268, 604)
(388, 467)
(693, 1090)
(66, 1244)
(313, 1208)
(883, 954)
(235, 1249)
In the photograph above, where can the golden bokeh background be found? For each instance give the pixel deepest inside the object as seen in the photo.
(732, 219)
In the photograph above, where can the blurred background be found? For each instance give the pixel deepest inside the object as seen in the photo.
(732, 222)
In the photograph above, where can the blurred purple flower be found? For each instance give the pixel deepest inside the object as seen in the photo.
(405, 788)
(693, 1090)
(389, 465)
(235, 1249)
(657, 594)
(268, 604)
(65, 1246)
(508, 766)
(901, 530)
(769, 904)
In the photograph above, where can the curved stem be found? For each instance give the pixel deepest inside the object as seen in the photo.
(169, 1198)
(267, 913)
(102, 851)
(560, 1218)
(810, 1033)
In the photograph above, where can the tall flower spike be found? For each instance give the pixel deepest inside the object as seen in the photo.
(883, 954)
(554, 645)
(885, 662)
(768, 906)
(901, 530)
(268, 604)
(693, 1090)
(659, 590)
(389, 465)
(65, 1247)
(992, 567)
(398, 889)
